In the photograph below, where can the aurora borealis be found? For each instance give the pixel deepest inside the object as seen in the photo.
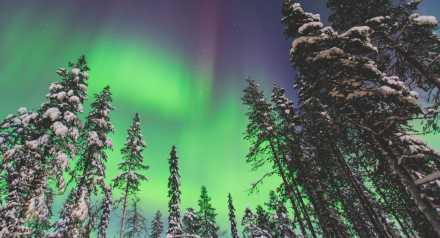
(180, 64)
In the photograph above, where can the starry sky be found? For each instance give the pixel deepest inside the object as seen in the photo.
(181, 64)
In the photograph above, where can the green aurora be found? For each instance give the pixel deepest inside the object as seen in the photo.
(175, 101)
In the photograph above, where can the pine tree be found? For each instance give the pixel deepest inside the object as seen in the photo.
(35, 147)
(174, 225)
(156, 226)
(90, 169)
(191, 222)
(136, 222)
(262, 133)
(283, 225)
(207, 214)
(263, 220)
(250, 227)
(346, 13)
(280, 223)
(131, 168)
(354, 99)
(232, 219)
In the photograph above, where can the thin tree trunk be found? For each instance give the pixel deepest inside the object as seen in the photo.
(124, 211)
(287, 186)
(403, 227)
(380, 226)
(413, 190)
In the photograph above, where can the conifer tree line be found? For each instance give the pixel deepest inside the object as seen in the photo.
(52, 154)
(349, 152)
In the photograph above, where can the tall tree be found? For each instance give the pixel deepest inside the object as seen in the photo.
(156, 225)
(136, 222)
(268, 147)
(90, 169)
(250, 227)
(357, 100)
(174, 224)
(232, 219)
(35, 147)
(131, 168)
(191, 222)
(207, 214)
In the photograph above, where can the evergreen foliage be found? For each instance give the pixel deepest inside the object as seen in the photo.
(174, 223)
(131, 168)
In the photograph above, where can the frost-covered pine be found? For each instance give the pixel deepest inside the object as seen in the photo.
(105, 209)
(347, 13)
(191, 222)
(156, 226)
(35, 147)
(232, 219)
(357, 102)
(174, 224)
(136, 223)
(207, 214)
(250, 227)
(283, 224)
(131, 168)
(89, 172)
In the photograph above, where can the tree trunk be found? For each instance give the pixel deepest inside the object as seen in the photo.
(287, 186)
(380, 225)
(424, 206)
(124, 211)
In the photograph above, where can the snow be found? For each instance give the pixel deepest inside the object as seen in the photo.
(69, 116)
(330, 54)
(74, 133)
(83, 87)
(60, 129)
(377, 20)
(429, 21)
(33, 144)
(52, 113)
(80, 212)
(25, 119)
(62, 160)
(357, 31)
(74, 99)
(387, 91)
(76, 71)
(55, 86)
(22, 110)
(310, 27)
(305, 40)
(60, 96)
(85, 74)
(394, 81)
(94, 139)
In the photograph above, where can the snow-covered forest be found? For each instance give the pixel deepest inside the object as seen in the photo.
(349, 152)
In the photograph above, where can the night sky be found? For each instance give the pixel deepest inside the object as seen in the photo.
(181, 64)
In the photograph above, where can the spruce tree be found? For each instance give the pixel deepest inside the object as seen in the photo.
(232, 219)
(355, 100)
(136, 222)
(191, 222)
(207, 214)
(174, 224)
(156, 225)
(262, 133)
(131, 168)
(280, 223)
(250, 227)
(35, 148)
(90, 169)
